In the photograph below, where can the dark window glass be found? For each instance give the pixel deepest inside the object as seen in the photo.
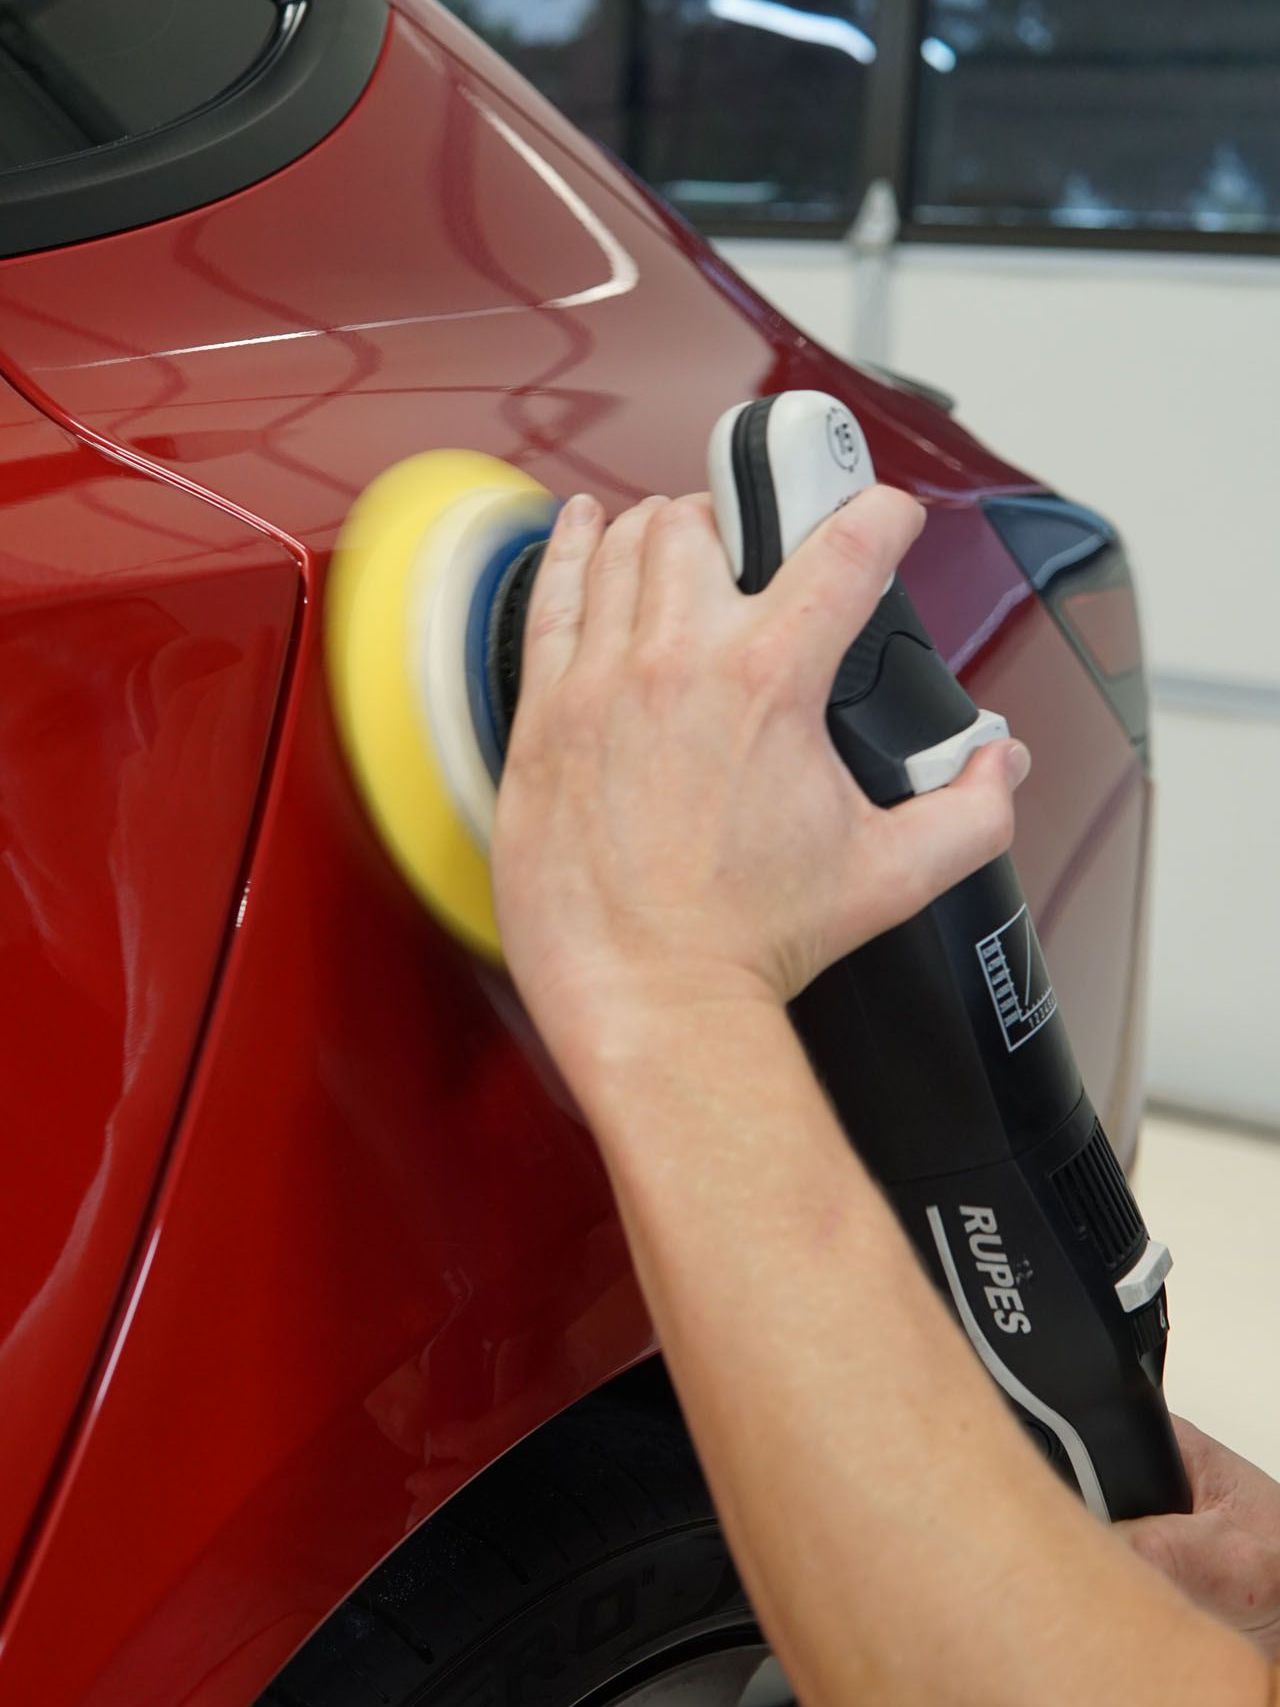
(736, 110)
(574, 51)
(75, 74)
(1102, 114)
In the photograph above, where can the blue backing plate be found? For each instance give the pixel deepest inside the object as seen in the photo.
(479, 623)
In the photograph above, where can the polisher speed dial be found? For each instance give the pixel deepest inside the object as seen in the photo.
(777, 467)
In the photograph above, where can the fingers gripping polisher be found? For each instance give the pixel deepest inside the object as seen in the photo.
(940, 1043)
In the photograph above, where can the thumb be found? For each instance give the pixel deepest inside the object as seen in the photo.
(1161, 1541)
(937, 839)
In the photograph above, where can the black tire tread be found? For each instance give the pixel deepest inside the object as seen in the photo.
(601, 1479)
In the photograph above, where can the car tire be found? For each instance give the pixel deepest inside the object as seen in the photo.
(586, 1566)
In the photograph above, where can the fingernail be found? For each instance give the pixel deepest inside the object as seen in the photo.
(580, 510)
(1017, 763)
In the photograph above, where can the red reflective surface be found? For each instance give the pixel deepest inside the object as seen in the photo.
(142, 636)
(380, 1249)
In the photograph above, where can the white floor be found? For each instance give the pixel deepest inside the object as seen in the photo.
(1213, 1197)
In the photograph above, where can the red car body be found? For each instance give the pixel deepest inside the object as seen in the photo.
(298, 1234)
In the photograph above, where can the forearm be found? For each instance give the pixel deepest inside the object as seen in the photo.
(899, 1537)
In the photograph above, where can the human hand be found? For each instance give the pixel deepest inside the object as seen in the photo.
(1225, 1555)
(673, 820)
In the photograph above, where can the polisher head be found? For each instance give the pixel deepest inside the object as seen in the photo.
(414, 569)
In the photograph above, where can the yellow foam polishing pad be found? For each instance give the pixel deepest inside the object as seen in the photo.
(381, 560)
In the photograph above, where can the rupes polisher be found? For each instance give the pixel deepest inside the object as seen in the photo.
(940, 1043)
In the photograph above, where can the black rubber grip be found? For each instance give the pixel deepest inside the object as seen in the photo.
(893, 696)
(757, 500)
(860, 667)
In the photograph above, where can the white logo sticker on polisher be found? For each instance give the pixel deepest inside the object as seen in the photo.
(1018, 979)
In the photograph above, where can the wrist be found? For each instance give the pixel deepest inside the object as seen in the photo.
(605, 1029)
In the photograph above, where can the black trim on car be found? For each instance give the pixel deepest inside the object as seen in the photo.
(1065, 550)
(313, 71)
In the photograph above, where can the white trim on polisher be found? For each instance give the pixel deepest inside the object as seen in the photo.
(724, 487)
(447, 568)
(817, 459)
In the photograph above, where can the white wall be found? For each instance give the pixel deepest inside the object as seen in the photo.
(1150, 387)
(1211, 1196)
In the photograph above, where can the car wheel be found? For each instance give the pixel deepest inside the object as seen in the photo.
(585, 1569)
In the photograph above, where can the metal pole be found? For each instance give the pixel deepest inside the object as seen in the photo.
(634, 92)
(884, 178)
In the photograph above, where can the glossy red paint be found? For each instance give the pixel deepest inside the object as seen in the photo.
(446, 268)
(142, 637)
(381, 1247)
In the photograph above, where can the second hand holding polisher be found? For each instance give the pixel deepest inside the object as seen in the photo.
(939, 1043)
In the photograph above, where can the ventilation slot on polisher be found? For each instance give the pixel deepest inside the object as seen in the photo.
(1098, 1202)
